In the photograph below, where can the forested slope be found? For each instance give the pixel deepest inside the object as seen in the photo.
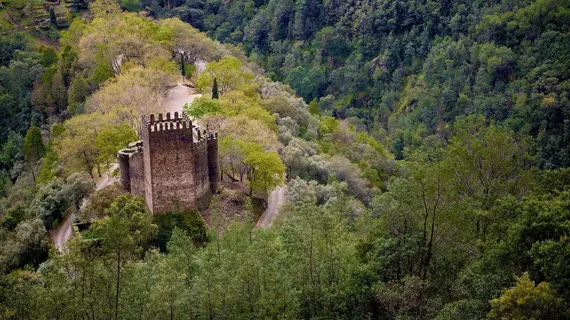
(427, 174)
(406, 69)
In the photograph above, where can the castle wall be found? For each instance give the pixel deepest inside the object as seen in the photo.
(202, 181)
(213, 162)
(171, 158)
(147, 168)
(136, 173)
(131, 165)
(124, 169)
(175, 166)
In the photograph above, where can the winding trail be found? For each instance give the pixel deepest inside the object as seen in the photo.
(64, 230)
(182, 93)
(177, 97)
(274, 202)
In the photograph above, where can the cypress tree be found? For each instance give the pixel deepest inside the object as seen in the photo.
(182, 66)
(215, 93)
(52, 17)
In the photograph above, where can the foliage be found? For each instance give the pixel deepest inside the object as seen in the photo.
(191, 223)
(215, 92)
(470, 97)
(201, 106)
(229, 72)
(89, 141)
(398, 65)
(265, 170)
(527, 301)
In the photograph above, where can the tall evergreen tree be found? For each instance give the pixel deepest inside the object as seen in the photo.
(34, 148)
(52, 17)
(215, 93)
(182, 65)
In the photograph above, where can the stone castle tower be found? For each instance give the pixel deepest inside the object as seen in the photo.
(174, 167)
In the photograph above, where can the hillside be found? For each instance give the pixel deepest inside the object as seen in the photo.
(406, 70)
(424, 147)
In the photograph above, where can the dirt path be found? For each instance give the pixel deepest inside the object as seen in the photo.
(274, 202)
(64, 230)
(178, 96)
(181, 93)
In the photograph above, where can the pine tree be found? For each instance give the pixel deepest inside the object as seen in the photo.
(215, 93)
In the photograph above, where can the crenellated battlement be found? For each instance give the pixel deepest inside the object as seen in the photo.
(212, 136)
(176, 164)
(163, 123)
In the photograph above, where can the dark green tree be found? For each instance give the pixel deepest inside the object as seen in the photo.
(215, 93)
(34, 148)
(182, 65)
(52, 17)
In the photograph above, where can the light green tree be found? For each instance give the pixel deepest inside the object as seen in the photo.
(527, 301)
(125, 232)
(266, 170)
(111, 139)
(230, 74)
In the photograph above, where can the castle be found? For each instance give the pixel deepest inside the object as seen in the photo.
(174, 167)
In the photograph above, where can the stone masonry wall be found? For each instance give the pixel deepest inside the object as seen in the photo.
(171, 158)
(131, 165)
(146, 162)
(213, 161)
(174, 167)
(136, 172)
(202, 181)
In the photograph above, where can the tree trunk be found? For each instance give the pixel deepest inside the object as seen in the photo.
(117, 285)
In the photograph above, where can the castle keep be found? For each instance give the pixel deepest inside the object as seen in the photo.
(174, 167)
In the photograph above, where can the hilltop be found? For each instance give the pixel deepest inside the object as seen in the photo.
(423, 146)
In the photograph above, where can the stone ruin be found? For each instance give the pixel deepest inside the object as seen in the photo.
(175, 166)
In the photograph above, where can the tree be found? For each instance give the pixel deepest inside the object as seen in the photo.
(49, 56)
(77, 94)
(104, 8)
(111, 139)
(314, 108)
(32, 240)
(188, 41)
(487, 163)
(52, 17)
(99, 202)
(34, 148)
(76, 145)
(218, 220)
(134, 92)
(11, 151)
(202, 106)
(229, 72)
(528, 301)
(125, 231)
(50, 203)
(78, 186)
(265, 170)
(90, 141)
(182, 65)
(215, 94)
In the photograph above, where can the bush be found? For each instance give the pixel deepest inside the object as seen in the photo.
(190, 221)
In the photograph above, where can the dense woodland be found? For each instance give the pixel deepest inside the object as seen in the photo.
(425, 146)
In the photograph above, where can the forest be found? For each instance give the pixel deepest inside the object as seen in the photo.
(424, 145)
